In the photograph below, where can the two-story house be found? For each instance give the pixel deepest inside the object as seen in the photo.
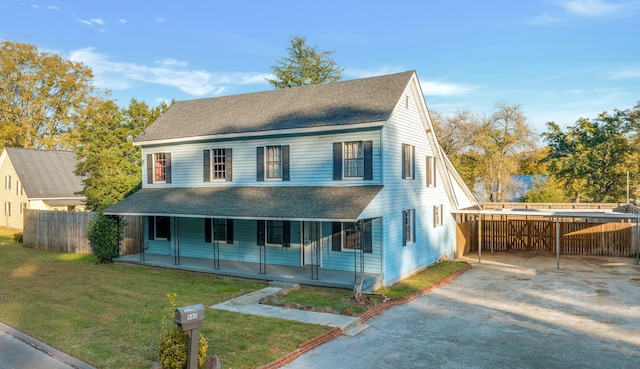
(345, 176)
(37, 179)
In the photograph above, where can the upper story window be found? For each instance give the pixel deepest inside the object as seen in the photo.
(408, 161)
(431, 171)
(7, 182)
(353, 159)
(159, 168)
(217, 165)
(272, 161)
(18, 187)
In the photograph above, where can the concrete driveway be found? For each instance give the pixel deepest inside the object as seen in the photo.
(513, 310)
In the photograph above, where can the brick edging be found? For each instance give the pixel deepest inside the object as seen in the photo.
(337, 331)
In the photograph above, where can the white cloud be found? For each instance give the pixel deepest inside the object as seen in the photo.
(435, 88)
(97, 21)
(624, 73)
(599, 9)
(593, 8)
(115, 75)
(53, 7)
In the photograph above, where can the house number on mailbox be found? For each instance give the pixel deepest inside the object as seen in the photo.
(192, 316)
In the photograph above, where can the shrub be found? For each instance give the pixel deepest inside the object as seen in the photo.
(17, 237)
(105, 234)
(174, 343)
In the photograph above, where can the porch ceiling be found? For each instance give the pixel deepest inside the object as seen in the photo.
(318, 203)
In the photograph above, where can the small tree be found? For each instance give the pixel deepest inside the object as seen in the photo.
(105, 234)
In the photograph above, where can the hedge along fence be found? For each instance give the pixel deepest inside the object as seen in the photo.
(67, 231)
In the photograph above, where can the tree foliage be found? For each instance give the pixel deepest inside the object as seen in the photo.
(592, 157)
(545, 189)
(42, 97)
(105, 234)
(109, 163)
(305, 65)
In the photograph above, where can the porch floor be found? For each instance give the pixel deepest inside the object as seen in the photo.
(284, 273)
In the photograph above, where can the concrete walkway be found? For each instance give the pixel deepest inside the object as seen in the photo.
(513, 310)
(249, 304)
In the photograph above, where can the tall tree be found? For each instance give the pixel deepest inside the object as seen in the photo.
(108, 161)
(593, 157)
(305, 65)
(42, 97)
(499, 142)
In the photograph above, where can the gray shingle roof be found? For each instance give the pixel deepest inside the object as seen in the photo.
(252, 202)
(46, 174)
(333, 104)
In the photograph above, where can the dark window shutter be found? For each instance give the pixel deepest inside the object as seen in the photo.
(336, 236)
(167, 168)
(337, 161)
(404, 161)
(229, 231)
(413, 225)
(260, 163)
(262, 232)
(206, 165)
(152, 228)
(413, 162)
(286, 233)
(367, 237)
(285, 162)
(207, 228)
(149, 168)
(368, 160)
(404, 228)
(228, 165)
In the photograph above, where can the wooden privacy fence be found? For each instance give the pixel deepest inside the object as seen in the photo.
(67, 231)
(576, 237)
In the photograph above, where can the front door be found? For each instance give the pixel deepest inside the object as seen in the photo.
(311, 243)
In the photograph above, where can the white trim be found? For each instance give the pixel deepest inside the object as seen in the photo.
(247, 135)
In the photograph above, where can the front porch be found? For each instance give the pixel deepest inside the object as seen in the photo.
(285, 273)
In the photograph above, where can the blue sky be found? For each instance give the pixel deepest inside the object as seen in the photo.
(559, 59)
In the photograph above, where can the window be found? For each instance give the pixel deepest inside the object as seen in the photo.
(219, 229)
(18, 188)
(274, 232)
(23, 207)
(274, 160)
(408, 158)
(431, 171)
(408, 227)
(353, 159)
(160, 228)
(217, 165)
(7, 182)
(351, 236)
(159, 168)
(437, 215)
(7, 209)
(347, 236)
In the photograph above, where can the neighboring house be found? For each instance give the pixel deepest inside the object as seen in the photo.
(37, 179)
(306, 176)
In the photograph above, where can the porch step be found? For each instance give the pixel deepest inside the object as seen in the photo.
(355, 329)
(284, 285)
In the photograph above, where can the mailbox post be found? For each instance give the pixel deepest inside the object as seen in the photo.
(189, 319)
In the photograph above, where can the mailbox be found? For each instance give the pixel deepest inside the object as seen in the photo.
(190, 317)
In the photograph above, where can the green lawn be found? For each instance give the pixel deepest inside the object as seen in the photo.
(110, 315)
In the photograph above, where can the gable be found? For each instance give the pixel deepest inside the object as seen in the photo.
(326, 105)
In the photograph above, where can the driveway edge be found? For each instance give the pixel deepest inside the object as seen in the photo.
(337, 331)
(63, 357)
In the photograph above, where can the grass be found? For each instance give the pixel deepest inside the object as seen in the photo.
(338, 298)
(110, 315)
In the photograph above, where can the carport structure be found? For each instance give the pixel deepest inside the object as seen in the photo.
(605, 233)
